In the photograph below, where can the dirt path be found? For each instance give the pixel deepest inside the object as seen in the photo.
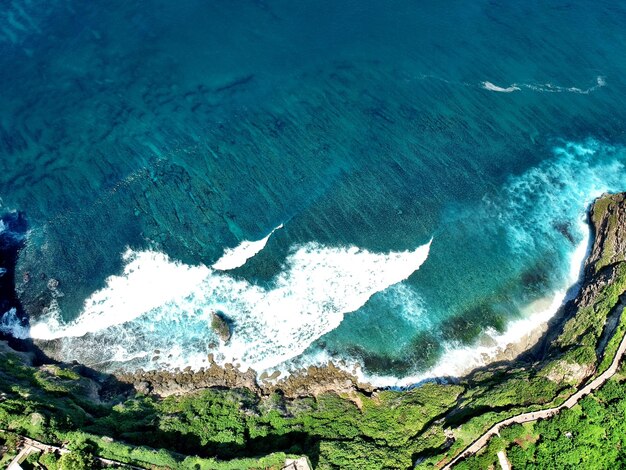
(542, 414)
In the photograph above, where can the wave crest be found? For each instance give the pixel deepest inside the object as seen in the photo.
(238, 256)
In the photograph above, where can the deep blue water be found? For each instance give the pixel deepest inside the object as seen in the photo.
(188, 127)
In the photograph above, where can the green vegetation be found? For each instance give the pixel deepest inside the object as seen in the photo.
(80, 457)
(231, 429)
(586, 327)
(382, 431)
(591, 435)
(8, 448)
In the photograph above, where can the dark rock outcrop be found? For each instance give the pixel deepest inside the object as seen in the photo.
(177, 382)
(608, 219)
(221, 326)
(310, 382)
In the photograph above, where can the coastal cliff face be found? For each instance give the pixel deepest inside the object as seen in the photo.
(584, 332)
(594, 315)
(311, 382)
(584, 344)
(607, 217)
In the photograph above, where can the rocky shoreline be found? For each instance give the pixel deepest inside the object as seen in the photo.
(607, 217)
(313, 381)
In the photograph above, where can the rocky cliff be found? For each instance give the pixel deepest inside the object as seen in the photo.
(603, 274)
(608, 220)
(312, 381)
(579, 335)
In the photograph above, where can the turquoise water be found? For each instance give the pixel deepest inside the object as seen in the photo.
(187, 129)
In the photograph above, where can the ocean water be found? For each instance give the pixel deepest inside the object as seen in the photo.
(381, 184)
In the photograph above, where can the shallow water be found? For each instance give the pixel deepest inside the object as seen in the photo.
(172, 133)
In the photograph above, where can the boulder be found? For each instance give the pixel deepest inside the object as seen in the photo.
(221, 326)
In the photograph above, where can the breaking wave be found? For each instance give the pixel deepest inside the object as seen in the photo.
(237, 257)
(11, 324)
(458, 359)
(543, 207)
(149, 280)
(491, 87)
(158, 312)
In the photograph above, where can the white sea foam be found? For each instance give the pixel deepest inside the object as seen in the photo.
(545, 87)
(550, 88)
(11, 324)
(491, 87)
(237, 257)
(3, 227)
(149, 280)
(159, 304)
(555, 190)
(458, 359)
(275, 323)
